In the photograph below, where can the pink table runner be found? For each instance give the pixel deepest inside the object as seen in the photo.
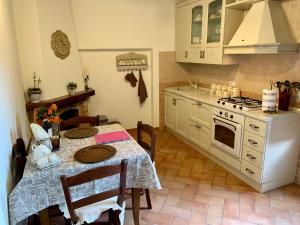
(111, 137)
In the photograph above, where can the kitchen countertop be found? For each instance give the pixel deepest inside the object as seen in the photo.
(203, 95)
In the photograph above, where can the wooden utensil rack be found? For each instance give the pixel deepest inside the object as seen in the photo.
(131, 61)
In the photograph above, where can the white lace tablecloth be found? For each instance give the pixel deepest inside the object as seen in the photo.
(40, 189)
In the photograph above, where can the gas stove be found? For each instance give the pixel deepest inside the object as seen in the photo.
(240, 103)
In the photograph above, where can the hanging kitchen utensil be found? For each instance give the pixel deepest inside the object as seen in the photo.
(278, 85)
(271, 83)
(287, 86)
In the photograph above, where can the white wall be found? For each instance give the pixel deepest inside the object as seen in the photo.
(13, 117)
(114, 95)
(35, 21)
(125, 24)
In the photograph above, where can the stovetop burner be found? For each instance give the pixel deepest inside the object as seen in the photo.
(241, 103)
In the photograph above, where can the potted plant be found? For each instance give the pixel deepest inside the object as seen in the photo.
(71, 87)
(35, 92)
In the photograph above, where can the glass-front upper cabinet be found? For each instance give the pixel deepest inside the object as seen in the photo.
(214, 21)
(197, 24)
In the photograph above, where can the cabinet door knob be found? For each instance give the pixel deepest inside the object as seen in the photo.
(253, 126)
(251, 157)
(199, 103)
(198, 126)
(249, 171)
(252, 142)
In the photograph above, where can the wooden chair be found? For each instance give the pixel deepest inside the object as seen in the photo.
(147, 142)
(149, 147)
(18, 160)
(91, 175)
(76, 121)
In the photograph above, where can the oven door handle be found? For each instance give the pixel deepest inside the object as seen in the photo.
(221, 120)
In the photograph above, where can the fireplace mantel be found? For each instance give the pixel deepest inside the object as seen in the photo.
(63, 101)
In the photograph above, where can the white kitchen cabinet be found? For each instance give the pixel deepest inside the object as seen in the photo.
(270, 144)
(200, 32)
(182, 116)
(200, 135)
(177, 113)
(182, 34)
(200, 113)
(190, 119)
(170, 111)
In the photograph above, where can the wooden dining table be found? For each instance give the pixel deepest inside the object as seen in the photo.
(39, 189)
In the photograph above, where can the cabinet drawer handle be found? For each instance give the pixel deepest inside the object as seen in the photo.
(174, 101)
(186, 54)
(253, 126)
(252, 142)
(251, 157)
(198, 126)
(203, 54)
(249, 171)
(198, 104)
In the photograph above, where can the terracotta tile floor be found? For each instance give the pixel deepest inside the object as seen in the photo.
(197, 191)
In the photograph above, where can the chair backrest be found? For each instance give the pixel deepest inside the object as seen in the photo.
(75, 121)
(148, 146)
(18, 160)
(92, 175)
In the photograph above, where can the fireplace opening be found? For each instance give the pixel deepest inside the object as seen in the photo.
(68, 114)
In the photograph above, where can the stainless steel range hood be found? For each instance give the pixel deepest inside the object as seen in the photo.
(264, 30)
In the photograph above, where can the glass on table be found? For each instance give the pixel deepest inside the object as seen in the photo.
(55, 138)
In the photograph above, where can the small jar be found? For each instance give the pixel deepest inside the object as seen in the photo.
(213, 89)
(219, 91)
(229, 90)
(224, 90)
(235, 92)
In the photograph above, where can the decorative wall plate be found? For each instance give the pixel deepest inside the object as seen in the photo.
(60, 44)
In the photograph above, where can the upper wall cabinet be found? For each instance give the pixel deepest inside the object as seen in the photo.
(200, 31)
(182, 34)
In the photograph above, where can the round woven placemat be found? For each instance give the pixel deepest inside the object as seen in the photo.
(95, 153)
(81, 132)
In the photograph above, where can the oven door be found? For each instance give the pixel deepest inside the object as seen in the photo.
(227, 135)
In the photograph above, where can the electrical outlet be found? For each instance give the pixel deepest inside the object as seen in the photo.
(232, 83)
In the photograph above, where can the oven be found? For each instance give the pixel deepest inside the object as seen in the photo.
(227, 132)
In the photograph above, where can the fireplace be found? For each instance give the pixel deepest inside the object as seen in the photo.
(68, 105)
(68, 114)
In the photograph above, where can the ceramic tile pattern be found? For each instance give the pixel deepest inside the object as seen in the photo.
(197, 191)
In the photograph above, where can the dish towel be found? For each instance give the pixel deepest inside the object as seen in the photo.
(40, 135)
(142, 90)
(111, 137)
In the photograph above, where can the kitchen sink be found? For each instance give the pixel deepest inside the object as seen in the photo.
(189, 90)
(185, 89)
